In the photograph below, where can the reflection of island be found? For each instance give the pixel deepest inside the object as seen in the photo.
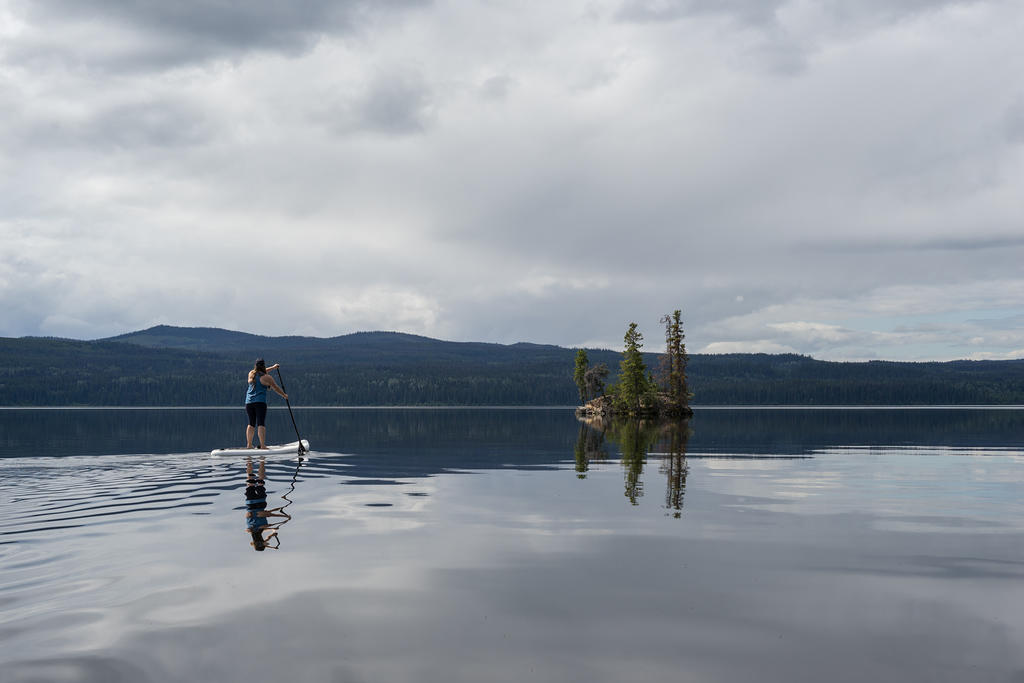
(635, 439)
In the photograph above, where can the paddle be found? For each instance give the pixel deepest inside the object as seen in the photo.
(302, 449)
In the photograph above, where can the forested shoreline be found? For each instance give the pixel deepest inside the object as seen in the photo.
(203, 366)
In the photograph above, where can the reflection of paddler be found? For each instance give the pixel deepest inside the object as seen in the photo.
(256, 512)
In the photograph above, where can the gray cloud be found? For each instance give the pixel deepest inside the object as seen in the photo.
(386, 101)
(151, 34)
(396, 104)
(783, 45)
(132, 125)
(897, 243)
(764, 12)
(1007, 323)
(1014, 122)
(746, 11)
(497, 87)
(159, 124)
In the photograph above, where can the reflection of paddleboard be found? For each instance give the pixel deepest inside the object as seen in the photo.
(292, 447)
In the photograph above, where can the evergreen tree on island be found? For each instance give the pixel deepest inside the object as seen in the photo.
(674, 365)
(580, 373)
(589, 380)
(634, 384)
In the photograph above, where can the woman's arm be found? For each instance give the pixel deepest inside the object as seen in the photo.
(269, 382)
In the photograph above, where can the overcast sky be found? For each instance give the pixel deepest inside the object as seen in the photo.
(840, 178)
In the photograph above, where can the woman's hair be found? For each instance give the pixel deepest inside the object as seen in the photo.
(257, 540)
(261, 365)
(260, 543)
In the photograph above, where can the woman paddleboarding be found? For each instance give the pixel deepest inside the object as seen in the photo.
(256, 401)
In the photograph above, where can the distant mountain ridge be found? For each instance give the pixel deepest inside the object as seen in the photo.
(219, 339)
(377, 345)
(166, 365)
(193, 338)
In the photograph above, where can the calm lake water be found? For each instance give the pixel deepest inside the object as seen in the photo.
(514, 545)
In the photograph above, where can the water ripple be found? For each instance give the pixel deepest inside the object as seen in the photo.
(49, 496)
(68, 493)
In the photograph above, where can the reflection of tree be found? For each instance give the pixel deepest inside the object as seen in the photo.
(582, 464)
(589, 446)
(674, 466)
(635, 438)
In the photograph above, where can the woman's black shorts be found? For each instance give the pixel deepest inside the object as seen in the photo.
(257, 413)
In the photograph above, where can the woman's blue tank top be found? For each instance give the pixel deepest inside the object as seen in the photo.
(256, 392)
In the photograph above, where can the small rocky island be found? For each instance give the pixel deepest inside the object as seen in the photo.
(637, 393)
(661, 405)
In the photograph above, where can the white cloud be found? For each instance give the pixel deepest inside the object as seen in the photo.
(362, 308)
(989, 355)
(912, 323)
(752, 346)
(546, 285)
(816, 332)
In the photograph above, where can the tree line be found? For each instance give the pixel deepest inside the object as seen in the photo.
(404, 370)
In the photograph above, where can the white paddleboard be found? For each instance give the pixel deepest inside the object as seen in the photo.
(292, 447)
